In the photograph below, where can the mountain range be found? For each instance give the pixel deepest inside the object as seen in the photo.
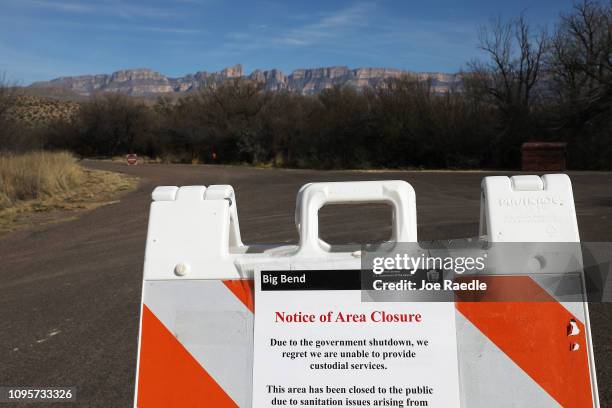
(146, 82)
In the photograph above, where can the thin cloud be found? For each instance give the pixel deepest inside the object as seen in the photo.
(359, 28)
(361, 31)
(22, 67)
(138, 28)
(338, 26)
(118, 28)
(329, 26)
(117, 9)
(61, 6)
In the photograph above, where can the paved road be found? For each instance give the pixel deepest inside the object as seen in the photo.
(69, 292)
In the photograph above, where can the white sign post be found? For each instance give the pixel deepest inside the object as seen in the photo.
(318, 344)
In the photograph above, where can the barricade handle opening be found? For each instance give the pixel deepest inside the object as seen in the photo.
(311, 197)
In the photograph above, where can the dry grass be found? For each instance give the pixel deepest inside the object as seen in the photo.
(36, 176)
(44, 187)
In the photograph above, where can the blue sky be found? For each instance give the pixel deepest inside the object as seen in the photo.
(44, 39)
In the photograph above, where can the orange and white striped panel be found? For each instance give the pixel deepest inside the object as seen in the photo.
(196, 341)
(521, 354)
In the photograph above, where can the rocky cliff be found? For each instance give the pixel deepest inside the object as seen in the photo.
(145, 82)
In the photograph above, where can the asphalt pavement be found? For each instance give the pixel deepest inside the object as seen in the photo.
(70, 291)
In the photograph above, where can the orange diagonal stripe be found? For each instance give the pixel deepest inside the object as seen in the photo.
(169, 376)
(243, 290)
(534, 335)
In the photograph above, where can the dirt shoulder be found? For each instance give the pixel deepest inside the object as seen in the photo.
(98, 189)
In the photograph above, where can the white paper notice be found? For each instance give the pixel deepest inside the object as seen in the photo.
(317, 344)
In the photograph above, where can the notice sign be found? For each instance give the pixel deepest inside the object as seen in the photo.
(318, 345)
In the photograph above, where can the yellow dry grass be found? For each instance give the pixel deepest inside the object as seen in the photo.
(37, 175)
(43, 187)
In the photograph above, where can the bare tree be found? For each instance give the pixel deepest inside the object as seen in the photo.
(232, 113)
(110, 124)
(513, 67)
(580, 63)
(509, 79)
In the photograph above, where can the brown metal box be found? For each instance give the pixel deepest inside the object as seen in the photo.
(544, 156)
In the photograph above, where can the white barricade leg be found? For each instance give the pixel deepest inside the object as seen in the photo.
(522, 353)
(196, 331)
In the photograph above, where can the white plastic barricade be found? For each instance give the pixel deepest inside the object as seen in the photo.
(196, 329)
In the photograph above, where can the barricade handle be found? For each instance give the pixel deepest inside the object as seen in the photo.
(311, 197)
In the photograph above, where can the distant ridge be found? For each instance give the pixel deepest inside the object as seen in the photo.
(146, 82)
